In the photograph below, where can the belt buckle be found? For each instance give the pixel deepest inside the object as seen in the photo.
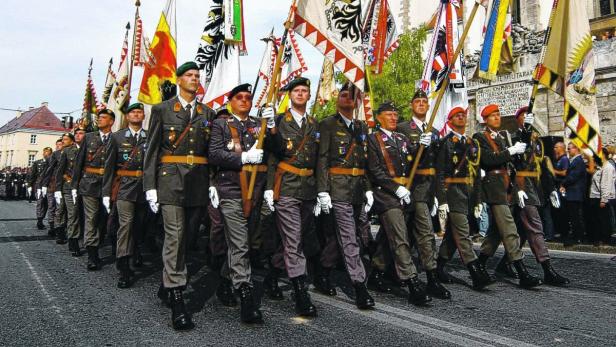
(355, 171)
(190, 159)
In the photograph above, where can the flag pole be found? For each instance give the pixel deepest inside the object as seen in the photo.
(441, 92)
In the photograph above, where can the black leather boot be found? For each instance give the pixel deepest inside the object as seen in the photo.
(224, 293)
(480, 280)
(551, 277)
(322, 283)
(481, 262)
(137, 257)
(363, 300)
(93, 262)
(52, 230)
(435, 288)
(73, 246)
(249, 312)
(303, 305)
(443, 276)
(270, 284)
(376, 282)
(417, 292)
(61, 235)
(126, 274)
(163, 295)
(526, 280)
(39, 224)
(180, 319)
(504, 268)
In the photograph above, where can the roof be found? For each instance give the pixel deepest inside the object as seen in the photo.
(40, 118)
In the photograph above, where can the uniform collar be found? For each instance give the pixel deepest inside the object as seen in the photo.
(419, 123)
(131, 133)
(184, 103)
(459, 136)
(346, 121)
(297, 116)
(387, 132)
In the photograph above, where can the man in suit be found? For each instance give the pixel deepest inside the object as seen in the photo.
(573, 189)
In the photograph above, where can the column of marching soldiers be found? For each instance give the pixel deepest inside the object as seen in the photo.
(316, 185)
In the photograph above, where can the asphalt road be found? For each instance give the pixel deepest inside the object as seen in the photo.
(47, 298)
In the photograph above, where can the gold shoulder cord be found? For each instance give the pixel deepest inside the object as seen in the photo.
(473, 165)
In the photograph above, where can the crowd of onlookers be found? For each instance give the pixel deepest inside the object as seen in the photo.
(13, 183)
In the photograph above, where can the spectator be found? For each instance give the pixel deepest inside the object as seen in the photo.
(612, 160)
(574, 190)
(559, 215)
(602, 191)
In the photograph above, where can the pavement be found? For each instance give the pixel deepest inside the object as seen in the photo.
(48, 299)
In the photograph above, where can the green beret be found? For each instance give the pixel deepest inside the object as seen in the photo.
(419, 94)
(190, 65)
(107, 112)
(299, 81)
(69, 135)
(386, 106)
(135, 106)
(246, 87)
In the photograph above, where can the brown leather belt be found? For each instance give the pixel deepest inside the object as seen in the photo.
(260, 168)
(183, 159)
(401, 180)
(458, 180)
(498, 172)
(347, 171)
(129, 173)
(294, 170)
(95, 170)
(533, 174)
(426, 172)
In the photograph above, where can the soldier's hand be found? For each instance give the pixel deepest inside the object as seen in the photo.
(38, 194)
(74, 194)
(253, 156)
(404, 195)
(44, 190)
(529, 119)
(554, 199)
(107, 203)
(478, 210)
(152, 198)
(58, 197)
(324, 201)
(518, 148)
(214, 197)
(369, 201)
(425, 139)
(521, 197)
(443, 210)
(29, 190)
(268, 196)
(269, 113)
(435, 207)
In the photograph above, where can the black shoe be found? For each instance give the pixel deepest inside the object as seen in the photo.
(376, 282)
(224, 293)
(504, 268)
(480, 280)
(249, 312)
(93, 261)
(417, 292)
(322, 283)
(39, 224)
(73, 247)
(52, 231)
(126, 274)
(481, 262)
(61, 236)
(443, 276)
(526, 280)
(303, 305)
(435, 288)
(163, 295)
(180, 319)
(363, 300)
(137, 258)
(270, 285)
(551, 277)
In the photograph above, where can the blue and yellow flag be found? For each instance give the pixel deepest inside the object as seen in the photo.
(497, 52)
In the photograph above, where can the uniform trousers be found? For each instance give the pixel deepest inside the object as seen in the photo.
(424, 235)
(457, 236)
(393, 222)
(506, 231)
(72, 216)
(177, 221)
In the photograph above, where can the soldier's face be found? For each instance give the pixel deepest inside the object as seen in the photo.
(300, 95)
(79, 136)
(345, 101)
(105, 121)
(59, 145)
(189, 81)
(388, 120)
(241, 103)
(458, 120)
(420, 107)
(135, 116)
(46, 153)
(66, 141)
(494, 120)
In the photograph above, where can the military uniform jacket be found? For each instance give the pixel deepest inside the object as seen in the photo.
(341, 148)
(92, 154)
(424, 186)
(178, 184)
(226, 155)
(36, 173)
(125, 152)
(65, 168)
(531, 162)
(458, 160)
(494, 187)
(49, 176)
(286, 146)
(384, 187)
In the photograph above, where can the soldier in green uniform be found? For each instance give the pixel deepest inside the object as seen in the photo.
(63, 179)
(176, 179)
(122, 185)
(34, 184)
(48, 187)
(497, 190)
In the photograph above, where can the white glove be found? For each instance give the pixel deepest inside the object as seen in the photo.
(152, 197)
(74, 194)
(434, 207)
(44, 190)
(107, 203)
(253, 155)
(38, 194)
(404, 195)
(478, 210)
(529, 119)
(324, 201)
(369, 201)
(521, 197)
(425, 139)
(555, 199)
(443, 210)
(29, 190)
(518, 148)
(214, 197)
(58, 196)
(269, 113)
(268, 196)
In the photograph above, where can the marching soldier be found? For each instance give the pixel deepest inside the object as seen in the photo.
(458, 185)
(343, 187)
(43, 205)
(233, 150)
(176, 179)
(63, 195)
(389, 163)
(497, 189)
(57, 216)
(122, 185)
(423, 191)
(87, 180)
(291, 189)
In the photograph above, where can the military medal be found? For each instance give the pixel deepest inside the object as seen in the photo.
(455, 159)
(172, 134)
(289, 144)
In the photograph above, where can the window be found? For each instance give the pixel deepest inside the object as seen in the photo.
(30, 159)
(33, 139)
(607, 7)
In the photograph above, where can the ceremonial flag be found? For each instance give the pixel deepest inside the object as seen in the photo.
(380, 34)
(568, 68)
(327, 84)
(89, 101)
(497, 51)
(119, 95)
(234, 23)
(293, 64)
(109, 82)
(267, 64)
(334, 28)
(440, 56)
(163, 50)
(143, 55)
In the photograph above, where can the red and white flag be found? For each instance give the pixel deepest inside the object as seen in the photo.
(143, 55)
